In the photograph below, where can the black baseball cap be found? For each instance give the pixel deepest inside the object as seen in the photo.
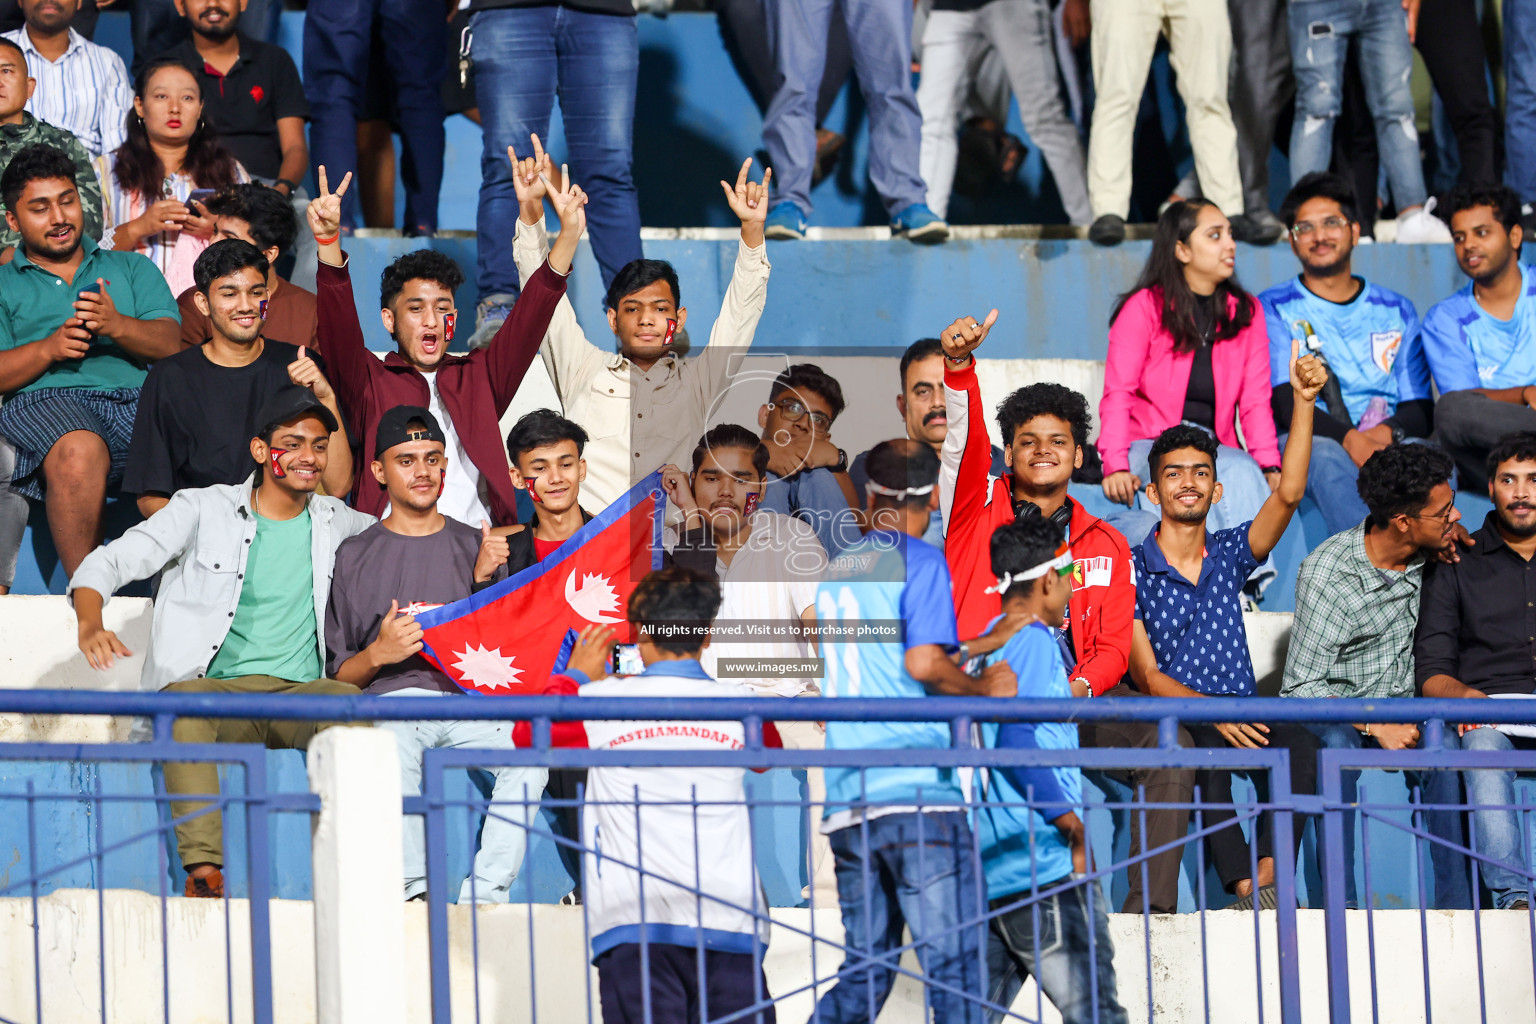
(288, 403)
(395, 428)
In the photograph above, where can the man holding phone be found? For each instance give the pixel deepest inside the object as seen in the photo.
(415, 559)
(72, 360)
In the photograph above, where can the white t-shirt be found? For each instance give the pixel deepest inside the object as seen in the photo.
(464, 492)
(772, 578)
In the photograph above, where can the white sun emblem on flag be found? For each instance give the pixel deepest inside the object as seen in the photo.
(486, 669)
(594, 600)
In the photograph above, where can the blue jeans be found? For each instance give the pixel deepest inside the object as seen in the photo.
(1520, 97)
(524, 57)
(1496, 822)
(880, 33)
(1452, 888)
(1320, 36)
(916, 870)
(1050, 939)
(1331, 484)
(1243, 492)
(414, 34)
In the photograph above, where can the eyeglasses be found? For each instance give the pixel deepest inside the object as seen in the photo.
(793, 409)
(1444, 517)
(1307, 228)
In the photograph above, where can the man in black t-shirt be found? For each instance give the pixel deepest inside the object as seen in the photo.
(197, 409)
(416, 559)
(252, 94)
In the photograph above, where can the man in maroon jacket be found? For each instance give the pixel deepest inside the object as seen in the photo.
(467, 394)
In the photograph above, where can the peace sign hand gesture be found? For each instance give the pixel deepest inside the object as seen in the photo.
(570, 204)
(324, 211)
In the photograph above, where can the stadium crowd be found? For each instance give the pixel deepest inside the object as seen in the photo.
(304, 501)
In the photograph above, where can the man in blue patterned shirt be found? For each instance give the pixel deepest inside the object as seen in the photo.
(1189, 639)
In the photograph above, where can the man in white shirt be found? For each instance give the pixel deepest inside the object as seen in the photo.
(81, 87)
(768, 566)
(645, 406)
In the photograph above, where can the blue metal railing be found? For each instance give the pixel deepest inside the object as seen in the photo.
(1326, 807)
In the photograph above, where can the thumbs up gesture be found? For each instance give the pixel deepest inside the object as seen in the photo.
(304, 372)
(494, 552)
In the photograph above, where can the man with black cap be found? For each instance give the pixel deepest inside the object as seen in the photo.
(415, 559)
(198, 408)
(246, 571)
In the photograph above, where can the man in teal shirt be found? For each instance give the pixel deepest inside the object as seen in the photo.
(79, 326)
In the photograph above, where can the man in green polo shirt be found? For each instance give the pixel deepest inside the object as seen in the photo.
(79, 326)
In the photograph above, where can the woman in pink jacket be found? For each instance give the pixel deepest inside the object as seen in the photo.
(1187, 344)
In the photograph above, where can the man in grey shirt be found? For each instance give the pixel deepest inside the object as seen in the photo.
(416, 559)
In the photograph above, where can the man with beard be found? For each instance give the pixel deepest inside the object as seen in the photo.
(246, 572)
(1379, 390)
(1481, 342)
(414, 560)
(1473, 640)
(82, 86)
(79, 324)
(198, 408)
(252, 95)
(1189, 638)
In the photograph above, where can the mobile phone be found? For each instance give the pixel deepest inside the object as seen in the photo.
(626, 660)
(93, 288)
(199, 196)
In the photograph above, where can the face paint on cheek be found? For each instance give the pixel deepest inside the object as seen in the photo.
(277, 467)
(533, 489)
(449, 319)
(753, 500)
(666, 339)
(263, 311)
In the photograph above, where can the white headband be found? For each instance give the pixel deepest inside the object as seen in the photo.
(892, 492)
(1060, 560)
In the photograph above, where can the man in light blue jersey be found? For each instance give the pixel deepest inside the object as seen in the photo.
(1369, 336)
(899, 835)
(1050, 923)
(1481, 342)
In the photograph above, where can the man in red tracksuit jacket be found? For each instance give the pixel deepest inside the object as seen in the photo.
(467, 394)
(1044, 431)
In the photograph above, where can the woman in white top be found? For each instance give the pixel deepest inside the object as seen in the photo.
(171, 150)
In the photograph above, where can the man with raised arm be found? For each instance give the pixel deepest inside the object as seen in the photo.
(245, 579)
(1190, 639)
(644, 405)
(467, 394)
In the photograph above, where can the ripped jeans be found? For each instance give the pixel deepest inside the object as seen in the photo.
(1321, 31)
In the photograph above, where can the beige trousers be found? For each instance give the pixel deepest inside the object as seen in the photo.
(1200, 40)
(812, 736)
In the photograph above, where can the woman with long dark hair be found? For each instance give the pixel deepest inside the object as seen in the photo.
(1187, 344)
(170, 152)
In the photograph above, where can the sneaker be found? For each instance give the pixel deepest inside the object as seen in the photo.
(1268, 899)
(1107, 230)
(1258, 228)
(490, 313)
(1421, 225)
(917, 223)
(785, 222)
(209, 887)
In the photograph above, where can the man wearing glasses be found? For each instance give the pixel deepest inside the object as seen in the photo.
(1357, 605)
(1369, 337)
(807, 473)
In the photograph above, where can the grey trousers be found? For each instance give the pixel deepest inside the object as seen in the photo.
(13, 516)
(1468, 424)
(954, 46)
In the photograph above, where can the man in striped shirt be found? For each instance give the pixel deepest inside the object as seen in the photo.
(81, 87)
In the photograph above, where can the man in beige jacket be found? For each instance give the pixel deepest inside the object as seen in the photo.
(644, 406)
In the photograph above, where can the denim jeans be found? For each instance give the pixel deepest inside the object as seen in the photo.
(1050, 939)
(1321, 32)
(880, 32)
(918, 871)
(337, 38)
(1496, 824)
(816, 498)
(1452, 891)
(1243, 492)
(1331, 484)
(1520, 97)
(524, 57)
(514, 803)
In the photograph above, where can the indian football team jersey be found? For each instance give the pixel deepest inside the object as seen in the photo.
(880, 597)
(1372, 344)
(1467, 348)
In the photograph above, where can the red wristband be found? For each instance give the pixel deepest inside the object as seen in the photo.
(327, 241)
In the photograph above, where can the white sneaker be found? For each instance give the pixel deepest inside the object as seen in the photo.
(1422, 225)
